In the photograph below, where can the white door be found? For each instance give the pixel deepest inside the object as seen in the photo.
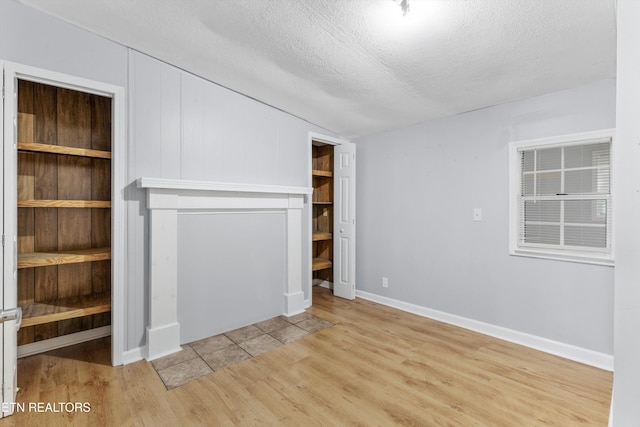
(344, 222)
(10, 315)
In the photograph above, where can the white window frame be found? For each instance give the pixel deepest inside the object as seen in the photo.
(596, 256)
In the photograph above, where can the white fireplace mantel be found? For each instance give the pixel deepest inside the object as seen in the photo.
(165, 199)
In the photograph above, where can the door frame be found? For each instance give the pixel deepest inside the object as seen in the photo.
(16, 71)
(325, 139)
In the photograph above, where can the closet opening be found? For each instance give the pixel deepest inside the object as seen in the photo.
(333, 221)
(64, 231)
(322, 214)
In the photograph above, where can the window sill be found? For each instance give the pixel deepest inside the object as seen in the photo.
(584, 258)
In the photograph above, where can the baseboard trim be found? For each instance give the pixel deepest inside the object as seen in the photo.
(293, 303)
(63, 341)
(133, 355)
(567, 351)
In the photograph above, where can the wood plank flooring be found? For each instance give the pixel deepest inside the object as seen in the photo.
(376, 366)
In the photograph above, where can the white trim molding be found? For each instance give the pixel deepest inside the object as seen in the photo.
(567, 351)
(133, 355)
(166, 198)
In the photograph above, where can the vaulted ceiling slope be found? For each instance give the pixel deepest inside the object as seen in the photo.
(358, 67)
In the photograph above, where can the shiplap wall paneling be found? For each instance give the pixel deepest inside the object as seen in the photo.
(226, 137)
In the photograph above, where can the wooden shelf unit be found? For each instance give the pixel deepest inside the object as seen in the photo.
(322, 215)
(64, 211)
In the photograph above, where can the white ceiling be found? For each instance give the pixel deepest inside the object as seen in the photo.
(357, 67)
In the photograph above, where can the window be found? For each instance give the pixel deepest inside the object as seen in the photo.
(560, 198)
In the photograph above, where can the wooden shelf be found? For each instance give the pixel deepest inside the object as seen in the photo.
(41, 259)
(321, 235)
(61, 149)
(322, 203)
(321, 264)
(64, 204)
(38, 313)
(317, 172)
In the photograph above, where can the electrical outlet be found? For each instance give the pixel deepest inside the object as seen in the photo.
(477, 214)
(385, 282)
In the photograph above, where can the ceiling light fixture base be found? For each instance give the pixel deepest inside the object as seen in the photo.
(404, 5)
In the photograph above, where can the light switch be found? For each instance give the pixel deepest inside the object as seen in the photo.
(477, 214)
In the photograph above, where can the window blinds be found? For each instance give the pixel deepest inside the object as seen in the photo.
(565, 197)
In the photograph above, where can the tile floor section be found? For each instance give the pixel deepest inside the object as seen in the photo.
(214, 353)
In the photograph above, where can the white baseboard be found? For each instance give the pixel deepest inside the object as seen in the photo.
(293, 303)
(567, 351)
(133, 355)
(162, 341)
(63, 341)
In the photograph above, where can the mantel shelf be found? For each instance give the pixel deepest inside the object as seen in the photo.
(42, 259)
(61, 149)
(188, 185)
(38, 313)
(105, 204)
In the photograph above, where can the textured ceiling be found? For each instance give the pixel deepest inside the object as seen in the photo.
(358, 67)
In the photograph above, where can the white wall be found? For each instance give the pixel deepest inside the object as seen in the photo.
(416, 190)
(626, 386)
(32, 38)
(179, 126)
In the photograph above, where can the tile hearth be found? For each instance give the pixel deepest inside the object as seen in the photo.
(215, 353)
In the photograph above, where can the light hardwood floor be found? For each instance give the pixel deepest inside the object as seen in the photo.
(376, 366)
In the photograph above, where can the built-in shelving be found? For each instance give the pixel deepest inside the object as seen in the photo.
(61, 149)
(39, 313)
(64, 206)
(322, 216)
